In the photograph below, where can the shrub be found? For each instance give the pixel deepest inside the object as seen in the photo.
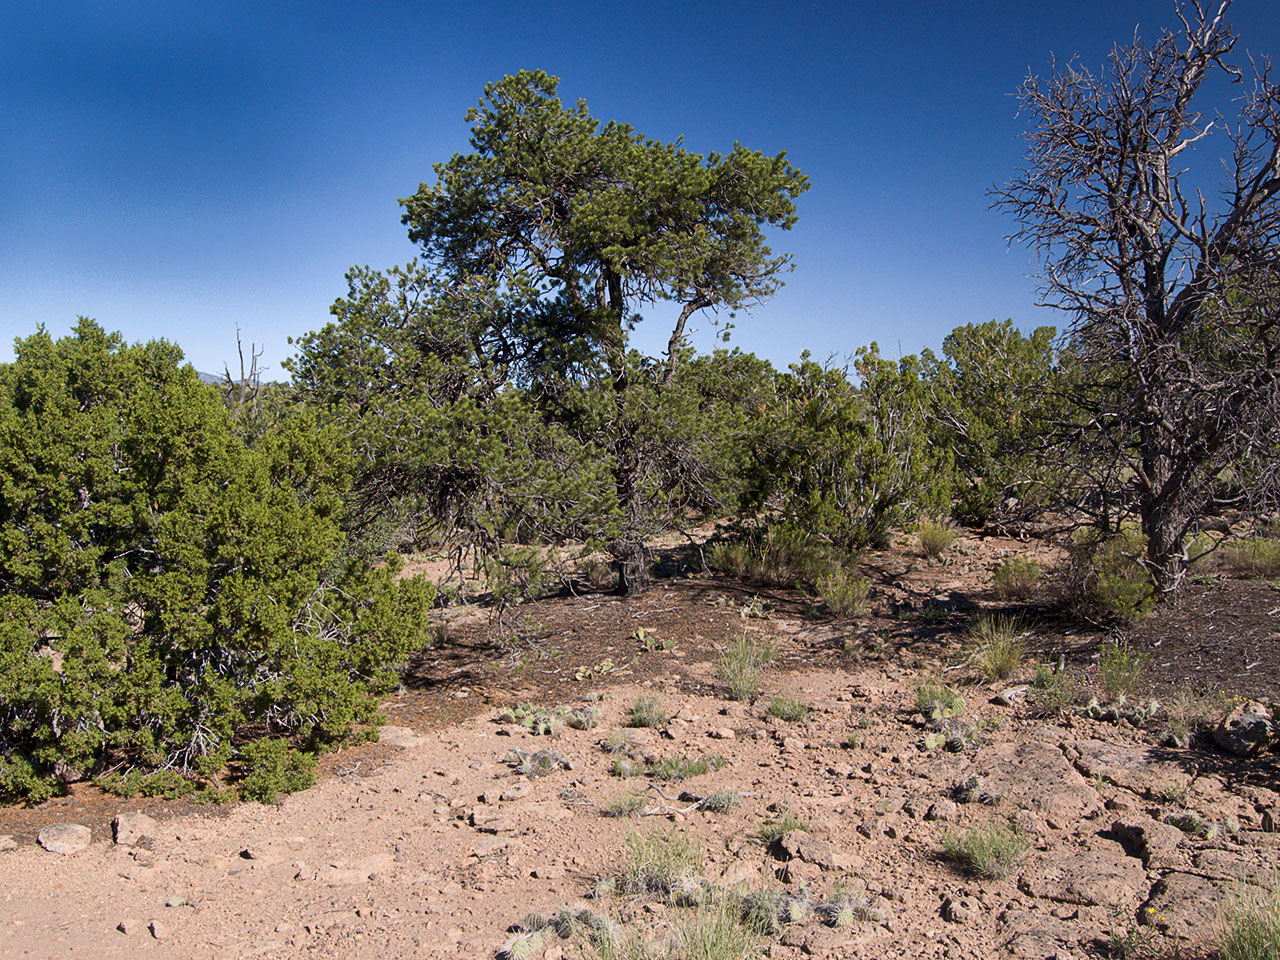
(935, 539)
(273, 767)
(1055, 691)
(625, 805)
(647, 712)
(732, 557)
(990, 850)
(739, 665)
(845, 595)
(997, 646)
(1112, 575)
(1016, 579)
(1119, 669)
(1251, 925)
(169, 592)
(788, 708)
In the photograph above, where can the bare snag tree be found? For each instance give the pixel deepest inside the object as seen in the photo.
(1157, 224)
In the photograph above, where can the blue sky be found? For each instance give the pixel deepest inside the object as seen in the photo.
(177, 169)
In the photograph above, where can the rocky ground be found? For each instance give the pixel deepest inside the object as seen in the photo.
(434, 843)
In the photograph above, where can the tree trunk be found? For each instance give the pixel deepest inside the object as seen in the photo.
(628, 550)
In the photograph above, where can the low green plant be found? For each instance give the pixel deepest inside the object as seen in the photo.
(679, 768)
(1129, 936)
(1119, 668)
(771, 830)
(1016, 579)
(845, 595)
(1055, 691)
(658, 864)
(1257, 557)
(1172, 791)
(582, 718)
(538, 720)
(616, 741)
(731, 557)
(996, 646)
(647, 712)
(722, 801)
(1251, 924)
(989, 850)
(739, 665)
(935, 539)
(935, 701)
(651, 644)
(788, 708)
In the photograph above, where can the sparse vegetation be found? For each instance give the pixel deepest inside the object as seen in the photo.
(989, 850)
(786, 821)
(1258, 557)
(1119, 669)
(658, 864)
(626, 804)
(1016, 579)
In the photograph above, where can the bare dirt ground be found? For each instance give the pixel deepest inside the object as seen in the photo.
(430, 844)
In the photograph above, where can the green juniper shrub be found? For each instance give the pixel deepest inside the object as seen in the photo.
(167, 588)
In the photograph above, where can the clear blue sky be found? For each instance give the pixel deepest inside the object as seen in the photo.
(177, 169)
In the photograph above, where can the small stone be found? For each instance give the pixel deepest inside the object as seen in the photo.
(547, 872)
(64, 837)
(158, 929)
(723, 733)
(1011, 695)
(286, 928)
(8, 843)
(129, 828)
(129, 926)
(176, 902)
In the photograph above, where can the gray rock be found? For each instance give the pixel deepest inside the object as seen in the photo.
(1038, 777)
(1246, 730)
(798, 845)
(1011, 695)
(129, 828)
(944, 810)
(64, 837)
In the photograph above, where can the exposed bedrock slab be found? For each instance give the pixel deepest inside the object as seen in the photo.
(1087, 877)
(1037, 776)
(1134, 768)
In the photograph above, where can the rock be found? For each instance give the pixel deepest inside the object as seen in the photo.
(799, 845)
(1038, 777)
(1137, 769)
(1182, 905)
(547, 872)
(129, 926)
(1246, 730)
(723, 733)
(1025, 822)
(158, 930)
(960, 909)
(1268, 825)
(1089, 878)
(944, 810)
(400, 736)
(1011, 695)
(740, 872)
(800, 872)
(7, 843)
(1156, 844)
(64, 837)
(129, 828)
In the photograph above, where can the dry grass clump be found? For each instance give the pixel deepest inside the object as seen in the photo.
(997, 648)
(771, 830)
(626, 804)
(1016, 579)
(739, 665)
(647, 712)
(1251, 925)
(935, 539)
(658, 864)
(845, 595)
(1119, 669)
(989, 850)
(788, 708)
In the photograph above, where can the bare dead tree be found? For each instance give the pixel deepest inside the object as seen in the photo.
(1172, 285)
(245, 391)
